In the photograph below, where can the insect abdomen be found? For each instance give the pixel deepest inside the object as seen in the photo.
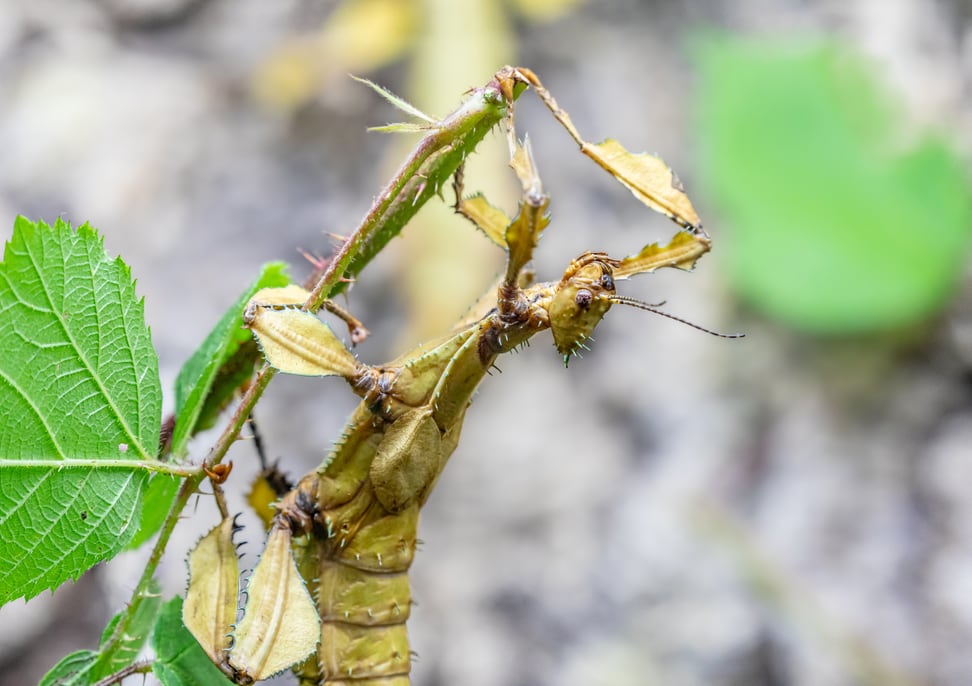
(364, 600)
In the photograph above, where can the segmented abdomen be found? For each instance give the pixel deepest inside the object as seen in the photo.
(361, 585)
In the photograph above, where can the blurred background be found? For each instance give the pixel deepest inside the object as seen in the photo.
(787, 509)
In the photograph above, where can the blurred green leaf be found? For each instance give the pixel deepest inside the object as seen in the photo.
(842, 220)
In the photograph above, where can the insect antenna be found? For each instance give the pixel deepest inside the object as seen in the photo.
(621, 300)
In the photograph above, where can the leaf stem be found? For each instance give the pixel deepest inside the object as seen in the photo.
(182, 471)
(240, 416)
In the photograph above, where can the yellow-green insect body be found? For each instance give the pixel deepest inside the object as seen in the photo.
(353, 521)
(359, 510)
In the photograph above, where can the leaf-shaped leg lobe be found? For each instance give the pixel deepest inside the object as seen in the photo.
(280, 627)
(211, 599)
(407, 461)
(294, 341)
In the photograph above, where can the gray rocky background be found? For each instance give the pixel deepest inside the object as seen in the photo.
(672, 509)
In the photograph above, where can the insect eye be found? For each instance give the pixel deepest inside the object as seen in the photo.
(584, 298)
(607, 282)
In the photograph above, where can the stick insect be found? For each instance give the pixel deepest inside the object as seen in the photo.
(330, 595)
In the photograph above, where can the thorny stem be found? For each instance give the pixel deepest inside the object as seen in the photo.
(140, 667)
(421, 175)
(240, 416)
(372, 220)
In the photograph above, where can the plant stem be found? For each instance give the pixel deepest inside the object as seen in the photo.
(122, 628)
(423, 174)
(240, 416)
(141, 667)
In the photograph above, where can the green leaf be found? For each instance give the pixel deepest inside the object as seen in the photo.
(80, 406)
(840, 220)
(120, 648)
(205, 384)
(156, 503)
(180, 660)
(196, 385)
(74, 669)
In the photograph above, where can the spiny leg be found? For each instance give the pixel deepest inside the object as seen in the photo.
(523, 233)
(356, 329)
(519, 235)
